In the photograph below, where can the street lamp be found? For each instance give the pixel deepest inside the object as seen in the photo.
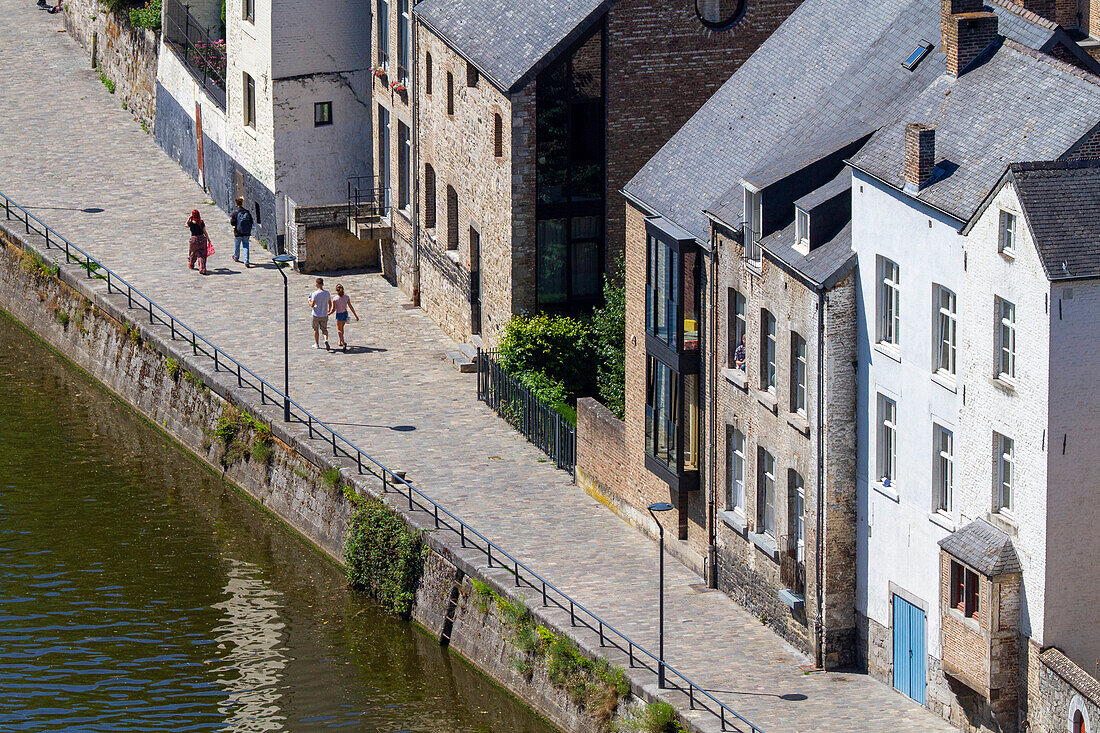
(281, 261)
(661, 506)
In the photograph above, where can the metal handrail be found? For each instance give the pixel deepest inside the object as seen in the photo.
(579, 616)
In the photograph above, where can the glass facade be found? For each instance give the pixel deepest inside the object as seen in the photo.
(570, 173)
(662, 411)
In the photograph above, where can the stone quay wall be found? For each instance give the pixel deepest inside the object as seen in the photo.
(183, 395)
(124, 54)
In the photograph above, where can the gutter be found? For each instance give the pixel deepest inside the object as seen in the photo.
(891, 186)
(819, 549)
(712, 385)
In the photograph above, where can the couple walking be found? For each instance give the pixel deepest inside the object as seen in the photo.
(200, 248)
(324, 305)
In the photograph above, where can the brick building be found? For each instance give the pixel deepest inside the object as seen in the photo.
(528, 119)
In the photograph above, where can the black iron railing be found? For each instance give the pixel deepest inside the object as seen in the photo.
(637, 656)
(367, 198)
(540, 423)
(204, 55)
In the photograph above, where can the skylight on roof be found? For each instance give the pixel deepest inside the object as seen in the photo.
(918, 53)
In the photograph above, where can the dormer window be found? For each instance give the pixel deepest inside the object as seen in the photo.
(802, 231)
(754, 225)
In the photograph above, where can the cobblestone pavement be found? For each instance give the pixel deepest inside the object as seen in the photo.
(66, 146)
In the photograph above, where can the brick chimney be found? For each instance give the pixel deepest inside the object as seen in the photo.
(967, 30)
(1042, 8)
(920, 155)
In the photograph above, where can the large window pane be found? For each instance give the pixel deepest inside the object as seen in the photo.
(551, 261)
(662, 413)
(735, 469)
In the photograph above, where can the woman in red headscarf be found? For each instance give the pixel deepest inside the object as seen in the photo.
(199, 243)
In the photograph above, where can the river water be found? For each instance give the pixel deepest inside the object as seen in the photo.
(139, 591)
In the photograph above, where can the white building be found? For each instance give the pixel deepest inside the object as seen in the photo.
(289, 120)
(972, 381)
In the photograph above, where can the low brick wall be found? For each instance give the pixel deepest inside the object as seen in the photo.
(118, 347)
(325, 244)
(126, 55)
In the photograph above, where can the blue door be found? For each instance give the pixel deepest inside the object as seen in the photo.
(909, 654)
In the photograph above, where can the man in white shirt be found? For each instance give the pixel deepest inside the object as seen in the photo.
(319, 300)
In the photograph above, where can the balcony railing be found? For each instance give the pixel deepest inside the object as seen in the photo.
(203, 54)
(367, 198)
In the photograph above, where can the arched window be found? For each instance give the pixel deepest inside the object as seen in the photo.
(498, 135)
(719, 14)
(452, 218)
(427, 73)
(429, 196)
(1078, 722)
(450, 93)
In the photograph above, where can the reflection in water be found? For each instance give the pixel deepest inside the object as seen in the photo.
(251, 633)
(140, 592)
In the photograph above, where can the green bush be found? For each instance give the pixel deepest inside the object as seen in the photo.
(560, 347)
(550, 392)
(654, 717)
(609, 325)
(147, 16)
(331, 478)
(384, 557)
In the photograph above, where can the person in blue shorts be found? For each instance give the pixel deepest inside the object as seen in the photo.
(340, 305)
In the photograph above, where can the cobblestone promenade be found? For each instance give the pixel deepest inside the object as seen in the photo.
(66, 146)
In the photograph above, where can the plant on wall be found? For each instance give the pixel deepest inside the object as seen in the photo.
(383, 556)
(147, 16)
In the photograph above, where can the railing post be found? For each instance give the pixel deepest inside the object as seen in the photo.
(194, 345)
(435, 514)
(359, 461)
(489, 552)
(239, 382)
(462, 534)
(601, 633)
(47, 237)
(333, 444)
(263, 398)
(216, 367)
(572, 617)
(517, 573)
(309, 422)
(544, 604)
(410, 488)
(691, 696)
(68, 257)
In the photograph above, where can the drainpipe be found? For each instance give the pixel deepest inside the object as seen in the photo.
(414, 100)
(712, 386)
(819, 549)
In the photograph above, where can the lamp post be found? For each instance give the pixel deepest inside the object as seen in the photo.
(281, 261)
(662, 506)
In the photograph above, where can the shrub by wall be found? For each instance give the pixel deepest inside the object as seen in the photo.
(384, 557)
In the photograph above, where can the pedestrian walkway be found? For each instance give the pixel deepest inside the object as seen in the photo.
(71, 154)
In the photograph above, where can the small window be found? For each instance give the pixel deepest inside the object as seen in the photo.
(944, 329)
(322, 114)
(450, 93)
(943, 469)
(887, 440)
(404, 40)
(889, 302)
(1006, 340)
(754, 223)
(798, 374)
(429, 196)
(382, 20)
(765, 492)
(719, 14)
(428, 74)
(767, 351)
(249, 98)
(471, 75)
(1006, 238)
(498, 135)
(918, 53)
(735, 470)
(1078, 722)
(248, 10)
(1005, 456)
(452, 218)
(802, 229)
(736, 330)
(404, 166)
(965, 593)
(796, 493)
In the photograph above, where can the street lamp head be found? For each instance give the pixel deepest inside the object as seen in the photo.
(661, 506)
(284, 259)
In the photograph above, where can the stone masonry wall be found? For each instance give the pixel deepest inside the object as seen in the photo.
(325, 244)
(117, 347)
(126, 55)
(1057, 690)
(662, 65)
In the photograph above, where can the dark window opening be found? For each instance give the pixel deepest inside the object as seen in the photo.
(249, 11)
(719, 14)
(964, 590)
(450, 93)
(322, 114)
(452, 218)
(249, 102)
(429, 197)
(428, 74)
(498, 136)
(570, 173)
(257, 207)
(471, 75)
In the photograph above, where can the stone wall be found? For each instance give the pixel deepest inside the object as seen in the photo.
(324, 243)
(1060, 689)
(120, 349)
(126, 55)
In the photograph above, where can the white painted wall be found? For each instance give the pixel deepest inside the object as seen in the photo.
(898, 531)
(319, 36)
(249, 51)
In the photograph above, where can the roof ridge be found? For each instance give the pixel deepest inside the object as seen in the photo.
(1052, 62)
(1053, 165)
(1026, 14)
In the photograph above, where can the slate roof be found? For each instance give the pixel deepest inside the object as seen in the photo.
(506, 39)
(825, 265)
(808, 76)
(833, 188)
(984, 548)
(1061, 202)
(1020, 104)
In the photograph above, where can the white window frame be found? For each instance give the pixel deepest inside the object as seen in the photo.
(889, 302)
(887, 439)
(404, 41)
(1006, 233)
(754, 224)
(738, 326)
(767, 351)
(735, 472)
(382, 37)
(765, 492)
(943, 469)
(797, 490)
(1005, 313)
(945, 327)
(798, 374)
(802, 228)
(404, 167)
(1004, 490)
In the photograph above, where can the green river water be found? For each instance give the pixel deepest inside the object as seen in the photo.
(139, 591)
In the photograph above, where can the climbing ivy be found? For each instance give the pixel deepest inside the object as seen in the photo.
(383, 556)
